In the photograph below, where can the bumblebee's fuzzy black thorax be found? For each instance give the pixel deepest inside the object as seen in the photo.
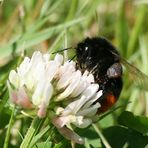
(96, 54)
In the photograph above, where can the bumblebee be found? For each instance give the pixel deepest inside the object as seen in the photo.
(101, 58)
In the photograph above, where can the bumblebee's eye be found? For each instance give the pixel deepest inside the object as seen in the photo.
(82, 50)
(86, 49)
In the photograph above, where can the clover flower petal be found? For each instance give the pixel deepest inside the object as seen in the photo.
(14, 78)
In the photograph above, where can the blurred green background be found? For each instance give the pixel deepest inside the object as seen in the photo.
(51, 25)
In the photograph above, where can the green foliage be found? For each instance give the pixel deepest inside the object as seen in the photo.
(138, 123)
(51, 25)
(120, 137)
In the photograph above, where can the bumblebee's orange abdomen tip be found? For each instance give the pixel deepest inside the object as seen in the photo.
(107, 103)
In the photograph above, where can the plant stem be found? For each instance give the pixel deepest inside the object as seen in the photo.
(105, 142)
(9, 128)
(38, 136)
(32, 131)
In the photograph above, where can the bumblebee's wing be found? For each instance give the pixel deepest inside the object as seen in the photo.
(140, 79)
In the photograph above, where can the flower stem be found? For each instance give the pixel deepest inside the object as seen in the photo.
(32, 131)
(105, 142)
(38, 136)
(9, 128)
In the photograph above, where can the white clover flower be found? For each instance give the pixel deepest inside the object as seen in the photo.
(30, 85)
(39, 81)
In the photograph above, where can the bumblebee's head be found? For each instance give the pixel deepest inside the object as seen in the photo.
(96, 52)
(84, 51)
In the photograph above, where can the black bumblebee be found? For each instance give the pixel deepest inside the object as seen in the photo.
(100, 57)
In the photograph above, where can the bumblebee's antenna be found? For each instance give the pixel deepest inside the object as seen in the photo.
(72, 58)
(63, 50)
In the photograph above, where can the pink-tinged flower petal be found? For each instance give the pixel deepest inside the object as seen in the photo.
(23, 99)
(59, 122)
(12, 94)
(13, 97)
(71, 135)
(42, 110)
(66, 132)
